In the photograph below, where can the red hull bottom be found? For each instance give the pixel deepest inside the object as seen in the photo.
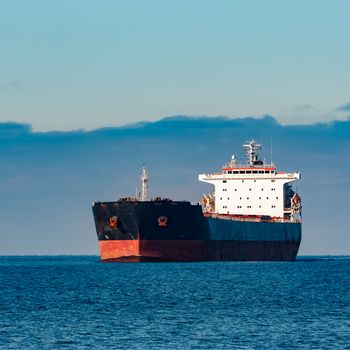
(196, 250)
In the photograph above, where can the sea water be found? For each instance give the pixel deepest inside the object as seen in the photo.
(81, 303)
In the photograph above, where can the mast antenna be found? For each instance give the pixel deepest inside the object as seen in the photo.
(144, 184)
(251, 150)
(271, 149)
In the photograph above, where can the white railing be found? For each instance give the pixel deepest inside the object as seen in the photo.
(247, 219)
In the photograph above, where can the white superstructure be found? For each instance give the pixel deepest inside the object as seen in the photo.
(253, 189)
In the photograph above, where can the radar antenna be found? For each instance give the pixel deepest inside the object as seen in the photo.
(251, 149)
(144, 184)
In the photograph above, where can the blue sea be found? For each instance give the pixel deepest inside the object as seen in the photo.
(80, 303)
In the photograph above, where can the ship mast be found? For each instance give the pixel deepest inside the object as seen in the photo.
(144, 184)
(251, 148)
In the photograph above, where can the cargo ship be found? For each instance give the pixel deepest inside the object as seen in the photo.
(253, 214)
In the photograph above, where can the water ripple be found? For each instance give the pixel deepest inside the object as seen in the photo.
(79, 303)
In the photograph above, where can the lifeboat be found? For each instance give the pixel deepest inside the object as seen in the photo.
(296, 199)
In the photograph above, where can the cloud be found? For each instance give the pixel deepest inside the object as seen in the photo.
(303, 108)
(13, 130)
(11, 86)
(344, 108)
(49, 179)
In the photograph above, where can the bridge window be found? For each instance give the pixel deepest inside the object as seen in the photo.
(267, 172)
(248, 172)
(235, 172)
(230, 172)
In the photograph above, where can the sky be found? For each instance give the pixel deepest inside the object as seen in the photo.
(90, 90)
(87, 64)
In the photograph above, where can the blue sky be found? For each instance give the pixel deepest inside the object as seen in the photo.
(86, 64)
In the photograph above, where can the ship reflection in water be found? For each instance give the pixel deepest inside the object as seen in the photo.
(253, 214)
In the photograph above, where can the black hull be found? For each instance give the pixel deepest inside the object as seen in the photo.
(188, 235)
